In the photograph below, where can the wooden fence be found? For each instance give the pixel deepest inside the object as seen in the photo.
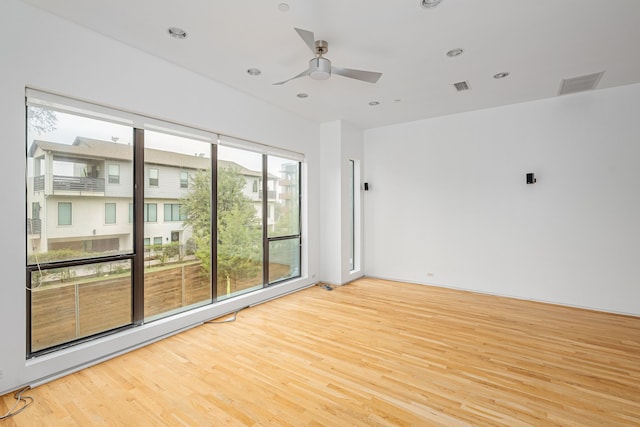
(76, 309)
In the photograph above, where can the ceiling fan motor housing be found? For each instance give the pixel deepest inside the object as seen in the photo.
(319, 68)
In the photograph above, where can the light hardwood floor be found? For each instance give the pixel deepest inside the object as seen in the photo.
(371, 353)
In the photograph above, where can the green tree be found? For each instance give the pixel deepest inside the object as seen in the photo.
(239, 235)
(197, 208)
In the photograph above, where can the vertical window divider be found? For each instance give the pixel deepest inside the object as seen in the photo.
(213, 262)
(138, 227)
(265, 221)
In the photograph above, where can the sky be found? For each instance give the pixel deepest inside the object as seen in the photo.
(70, 126)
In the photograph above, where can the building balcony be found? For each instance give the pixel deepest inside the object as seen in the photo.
(34, 226)
(71, 185)
(271, 194)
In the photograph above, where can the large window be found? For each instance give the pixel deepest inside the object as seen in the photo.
(177, 273)
(78, 265)
(230, 220)
(284, 235)
(240, 225)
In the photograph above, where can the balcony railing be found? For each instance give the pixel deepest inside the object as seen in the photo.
(271, 194)
(78, 183)
(70, 183)
(34, 226)
(38, 183)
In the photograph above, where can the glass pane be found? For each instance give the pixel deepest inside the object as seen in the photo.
(64, 213)
(284, 259)
(283, 202)
(67, 158)
(114, 174)
(75, 302)
(352, 214)
(239, 222)
(109, 213)
(177, 266)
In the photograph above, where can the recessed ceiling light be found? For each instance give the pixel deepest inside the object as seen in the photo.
(254, 72)
(455, 52)
(302, 95)
(283, 7)
(374, 103)
(430, 3)
(501, 75)
(176, 32)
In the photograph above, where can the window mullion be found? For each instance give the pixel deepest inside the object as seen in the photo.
(138, 227)
(265, 221)
(213, 241)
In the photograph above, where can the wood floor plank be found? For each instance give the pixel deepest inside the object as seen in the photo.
(371, 353)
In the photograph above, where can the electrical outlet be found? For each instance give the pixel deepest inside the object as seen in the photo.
(430, 274)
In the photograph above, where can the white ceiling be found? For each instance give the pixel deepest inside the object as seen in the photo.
(538, 42)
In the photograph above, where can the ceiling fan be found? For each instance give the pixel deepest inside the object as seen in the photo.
(320, 68)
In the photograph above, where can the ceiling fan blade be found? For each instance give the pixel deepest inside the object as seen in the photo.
(308, 38)
(305, 72)
(365, 76)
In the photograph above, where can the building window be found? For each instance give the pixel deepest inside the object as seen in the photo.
(64, 213)
(109, 213)
(174, 212)
(150, 212)
(114, 174)
(241, 251)
(153, 177)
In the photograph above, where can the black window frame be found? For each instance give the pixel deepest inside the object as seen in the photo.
(139, 214)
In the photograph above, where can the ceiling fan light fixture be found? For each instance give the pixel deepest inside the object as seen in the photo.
(428, 4)
(319, 68)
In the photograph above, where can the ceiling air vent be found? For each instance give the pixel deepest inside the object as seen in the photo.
(580, 83)
(460, 86)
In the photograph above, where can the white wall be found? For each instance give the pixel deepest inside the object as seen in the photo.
(51, 54)
(449, 205)
(340, 142)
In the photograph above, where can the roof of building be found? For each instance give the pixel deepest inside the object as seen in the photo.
(98, 149)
